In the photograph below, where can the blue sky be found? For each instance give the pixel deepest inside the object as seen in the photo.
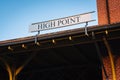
(17, 15)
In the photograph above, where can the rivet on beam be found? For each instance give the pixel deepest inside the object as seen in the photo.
(53, 41)
(70, 38)
(23, 46)
(10, 48)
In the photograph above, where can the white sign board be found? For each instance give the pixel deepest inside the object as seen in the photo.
(61, 22)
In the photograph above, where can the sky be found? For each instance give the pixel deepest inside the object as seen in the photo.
(17, 15)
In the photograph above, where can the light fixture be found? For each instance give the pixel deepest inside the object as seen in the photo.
(37, 43)
(10, 48)
(53, 41)
(23, 46)
(70, 38)
(106, 32)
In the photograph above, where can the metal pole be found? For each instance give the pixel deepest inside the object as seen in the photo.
(18, 70)
(13, 72)
(111, 57)
(86, 33)
(8, 68)
(99, 55)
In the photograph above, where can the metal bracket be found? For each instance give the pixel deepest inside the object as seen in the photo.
(86, 31)
(37, 35)
(35, 38)
(93, 35)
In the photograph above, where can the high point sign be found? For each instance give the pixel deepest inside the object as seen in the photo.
(61, 22)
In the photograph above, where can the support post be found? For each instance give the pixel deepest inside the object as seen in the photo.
(18, 70)
(99, 55)
(8, 68)
(12, 71)
(111, 58)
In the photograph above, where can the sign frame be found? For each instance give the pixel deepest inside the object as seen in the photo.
(34, 27)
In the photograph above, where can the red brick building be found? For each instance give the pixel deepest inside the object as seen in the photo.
(109, 13)
(67, 55)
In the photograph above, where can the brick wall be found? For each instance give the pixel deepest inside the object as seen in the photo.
(117, 64)
(102, 12)
(113, 14)
(114, 17)
(114, 6)
(107, 64)
(114, 10)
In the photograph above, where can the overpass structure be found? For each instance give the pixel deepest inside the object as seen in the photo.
(60, 56)
(79, 54)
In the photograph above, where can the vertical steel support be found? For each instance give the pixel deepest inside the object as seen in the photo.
(99, 55)
(8, 68)
(12, 71)
(18, 70)
(9, 71)
(111, 58)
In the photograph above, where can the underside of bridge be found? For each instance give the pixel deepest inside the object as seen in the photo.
(70, 62)
(67, 55)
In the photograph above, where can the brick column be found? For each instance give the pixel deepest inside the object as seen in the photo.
(112, 10)
(114, 6)
(102, 12)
